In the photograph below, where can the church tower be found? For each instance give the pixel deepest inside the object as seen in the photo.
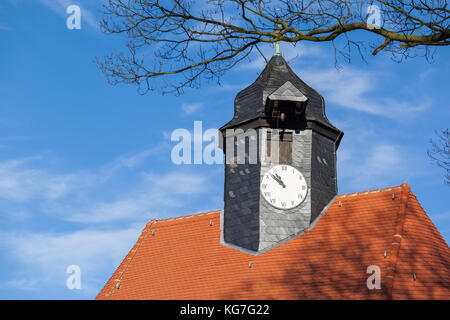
(280, 152)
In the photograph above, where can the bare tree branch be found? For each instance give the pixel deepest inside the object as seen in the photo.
(440, 153)
(191, 40)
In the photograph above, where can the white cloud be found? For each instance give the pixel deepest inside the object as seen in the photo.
(383, 158)
(131, 208)
(24, 284)
(368, 160)
(350, 87)
(178, 182)
(98, 196)
(376, 166)
(127, 162)
(156, 194)
(21, 183)
(426, 74)
(190, 108)
(114, 225)
(134, 160)
(22, 180)
(355, 88)
(45, 257)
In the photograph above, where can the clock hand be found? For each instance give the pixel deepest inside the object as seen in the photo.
(277, 179)
(281, 181)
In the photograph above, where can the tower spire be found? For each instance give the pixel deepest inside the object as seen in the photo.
(278, 27)
(277, 43)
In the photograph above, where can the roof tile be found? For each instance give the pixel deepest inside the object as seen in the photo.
(185, 259)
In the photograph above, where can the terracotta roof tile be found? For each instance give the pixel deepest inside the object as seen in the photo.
(182, 258)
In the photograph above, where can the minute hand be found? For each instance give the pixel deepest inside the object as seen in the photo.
(280, 182)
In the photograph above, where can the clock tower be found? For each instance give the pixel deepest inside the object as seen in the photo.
(280, 152)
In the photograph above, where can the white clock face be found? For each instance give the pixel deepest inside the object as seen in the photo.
(284, 187)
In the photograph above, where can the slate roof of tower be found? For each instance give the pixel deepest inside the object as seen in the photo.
(183, 258)
(250, 102)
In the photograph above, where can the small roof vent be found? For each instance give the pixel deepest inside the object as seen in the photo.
(287, 92)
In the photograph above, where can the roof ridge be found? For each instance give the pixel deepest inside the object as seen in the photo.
(396, 240)
(119, 273)
(130, 256)
(194, 215)
(368, 192)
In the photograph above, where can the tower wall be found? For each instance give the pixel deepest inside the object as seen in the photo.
(250, 221)
(323, 168)
(241, 196)
(276, 224)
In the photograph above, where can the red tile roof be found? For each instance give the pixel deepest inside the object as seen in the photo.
(182, 258)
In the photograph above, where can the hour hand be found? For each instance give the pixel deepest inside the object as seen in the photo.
(277, 179)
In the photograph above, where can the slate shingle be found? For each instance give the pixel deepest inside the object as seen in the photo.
(250, 102)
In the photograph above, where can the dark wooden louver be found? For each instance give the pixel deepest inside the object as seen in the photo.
(281, 113)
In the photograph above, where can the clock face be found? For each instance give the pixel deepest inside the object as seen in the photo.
(284, 187)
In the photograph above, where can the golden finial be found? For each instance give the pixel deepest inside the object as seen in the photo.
(277, 43)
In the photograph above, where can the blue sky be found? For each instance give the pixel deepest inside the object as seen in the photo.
(85, 165)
